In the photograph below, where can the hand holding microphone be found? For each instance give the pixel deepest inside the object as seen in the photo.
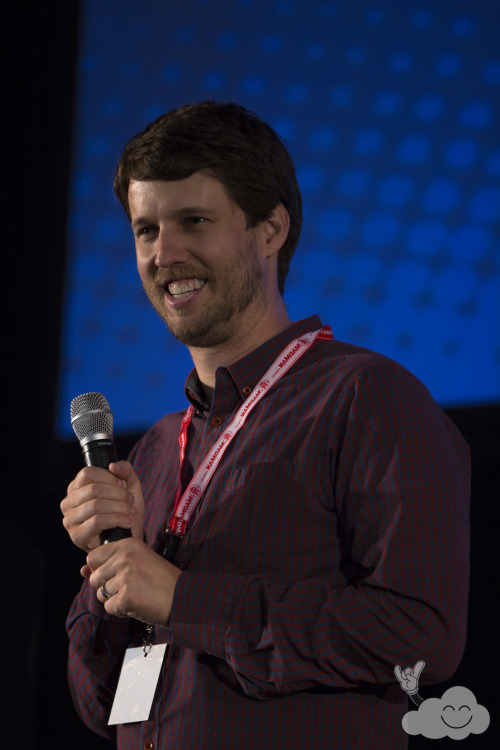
(103, 504)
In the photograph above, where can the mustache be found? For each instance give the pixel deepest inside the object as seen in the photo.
(165, 276)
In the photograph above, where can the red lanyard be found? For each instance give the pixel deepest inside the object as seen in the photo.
(187, 502)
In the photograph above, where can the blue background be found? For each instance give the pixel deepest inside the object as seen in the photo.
(391, 113)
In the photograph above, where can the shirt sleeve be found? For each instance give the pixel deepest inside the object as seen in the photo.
(400, 487)
(97, 644)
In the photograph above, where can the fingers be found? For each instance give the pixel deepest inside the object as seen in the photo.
(101, 569)
(419, 665)
(98, 499)
(92, 475)
(408, 677)
(85, 571)
(140, 583)
(124, 471)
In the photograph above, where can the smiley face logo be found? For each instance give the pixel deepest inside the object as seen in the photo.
(452, 718)
(456, 715)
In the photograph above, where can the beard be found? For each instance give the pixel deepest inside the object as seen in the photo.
(235, 288)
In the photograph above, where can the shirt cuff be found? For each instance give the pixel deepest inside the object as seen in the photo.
(201, 611)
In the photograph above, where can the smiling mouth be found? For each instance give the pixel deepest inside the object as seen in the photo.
(461, 725)
(177, 289)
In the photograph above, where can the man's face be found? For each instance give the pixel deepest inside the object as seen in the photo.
(201, 268)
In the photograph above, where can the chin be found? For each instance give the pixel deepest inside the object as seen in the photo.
(197, 338)
(201, 334)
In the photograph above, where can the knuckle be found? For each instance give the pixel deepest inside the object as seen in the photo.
(95, 506)
(93, 490)
(86, 473)
(92, 527)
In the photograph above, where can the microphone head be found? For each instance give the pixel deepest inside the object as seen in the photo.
(91, 417)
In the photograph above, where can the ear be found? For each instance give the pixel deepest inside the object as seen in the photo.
(276, 230)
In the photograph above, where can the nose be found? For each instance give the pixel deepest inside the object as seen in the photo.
(169, 248)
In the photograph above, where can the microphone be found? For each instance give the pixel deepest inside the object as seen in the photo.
(92, 421)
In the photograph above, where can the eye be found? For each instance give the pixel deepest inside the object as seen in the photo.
(145, 232)
(192, 221)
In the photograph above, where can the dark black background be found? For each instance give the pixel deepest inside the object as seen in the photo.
(40, 567)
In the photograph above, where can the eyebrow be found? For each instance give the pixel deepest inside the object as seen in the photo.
(178, 214)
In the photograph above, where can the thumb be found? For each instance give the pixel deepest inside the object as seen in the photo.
(124, 470)
(126, 473)
(86, 571)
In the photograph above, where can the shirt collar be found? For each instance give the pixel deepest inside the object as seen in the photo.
(195, 393)
(245, 372)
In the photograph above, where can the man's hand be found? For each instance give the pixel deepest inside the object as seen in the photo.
(100, 499)
(139, 582)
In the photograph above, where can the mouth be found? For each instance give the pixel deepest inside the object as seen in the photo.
(460, 727)
(181, 293)
(182, 288)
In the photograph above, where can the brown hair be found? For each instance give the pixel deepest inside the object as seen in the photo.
(245, 154)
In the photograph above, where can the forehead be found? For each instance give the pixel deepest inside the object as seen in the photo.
(198, 190)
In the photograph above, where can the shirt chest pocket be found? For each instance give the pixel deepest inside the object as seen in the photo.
(261, 519)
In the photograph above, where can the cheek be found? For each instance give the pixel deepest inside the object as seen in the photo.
(145, 264)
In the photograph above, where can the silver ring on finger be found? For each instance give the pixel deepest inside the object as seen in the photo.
(105, 593)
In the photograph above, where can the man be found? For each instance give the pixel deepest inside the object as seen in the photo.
(304, 527)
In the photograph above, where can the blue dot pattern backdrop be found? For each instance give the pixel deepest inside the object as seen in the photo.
(391, 113)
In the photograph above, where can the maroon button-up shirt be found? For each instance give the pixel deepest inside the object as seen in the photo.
(331, 544)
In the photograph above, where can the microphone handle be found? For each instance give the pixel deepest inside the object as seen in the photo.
(101, 453)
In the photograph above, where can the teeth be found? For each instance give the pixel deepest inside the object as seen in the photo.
(184, 286)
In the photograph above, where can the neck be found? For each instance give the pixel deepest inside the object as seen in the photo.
(207, 360)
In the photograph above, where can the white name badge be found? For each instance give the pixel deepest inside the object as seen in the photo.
(137, 684)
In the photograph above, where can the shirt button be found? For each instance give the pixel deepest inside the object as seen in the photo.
(216, 421)
(246, 390)
(149, 745)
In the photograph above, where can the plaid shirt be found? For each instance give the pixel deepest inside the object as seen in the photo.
(331, 544)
